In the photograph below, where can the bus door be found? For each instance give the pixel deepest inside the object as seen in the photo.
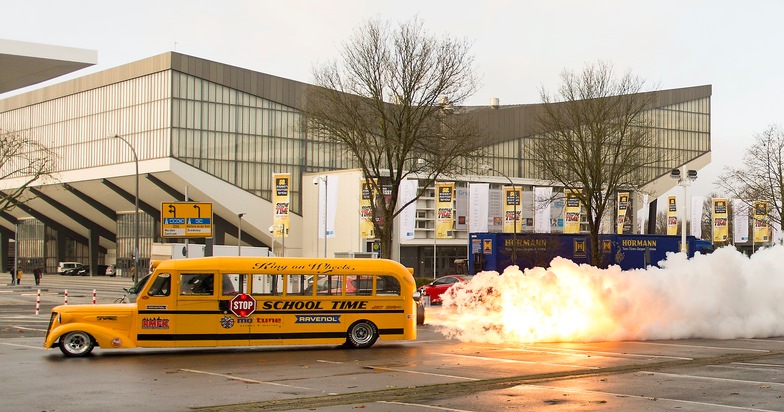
(267, 323)
(156, 306)
(198, 318)
(235, 322)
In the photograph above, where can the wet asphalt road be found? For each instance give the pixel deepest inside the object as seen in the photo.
(431, 373)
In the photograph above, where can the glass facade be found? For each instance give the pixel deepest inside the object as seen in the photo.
(244, 139)
(681, 133)
(126, 241)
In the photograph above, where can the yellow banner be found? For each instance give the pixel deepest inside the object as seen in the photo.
(366, 228)
(281, 200)
(672, 216)
(761, 228)
(720, 228)
(623, 205)
(512, 210)
(445, 219)
(572, 213)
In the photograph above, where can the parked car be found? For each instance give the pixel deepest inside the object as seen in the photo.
(436, 288)
(105, 270)
(80, 270)
(65, 268)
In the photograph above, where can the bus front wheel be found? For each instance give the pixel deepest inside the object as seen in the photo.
(76, 344)
(362, 334)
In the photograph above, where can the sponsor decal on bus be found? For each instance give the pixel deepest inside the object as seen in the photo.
(318, 319)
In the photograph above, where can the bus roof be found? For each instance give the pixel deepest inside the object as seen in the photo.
(290, 265)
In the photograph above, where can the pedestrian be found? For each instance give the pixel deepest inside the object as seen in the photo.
(13, 278)
(37, 274)
(19, 277)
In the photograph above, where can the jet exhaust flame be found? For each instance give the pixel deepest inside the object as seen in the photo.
(724, 295)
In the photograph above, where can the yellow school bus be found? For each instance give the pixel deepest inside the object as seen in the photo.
(248, 301)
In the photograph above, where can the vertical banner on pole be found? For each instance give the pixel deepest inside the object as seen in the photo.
(761, 229)
(696, 216)
(327, 205)
(642, 213)
(720, 228)
(740, 221)
(478, 207)
(408, 190)
(366, 210)
(445, 208)
(542, 200)
(281, 200)
(511, 209)
(672, 216)
(572, 213)
(623, 205)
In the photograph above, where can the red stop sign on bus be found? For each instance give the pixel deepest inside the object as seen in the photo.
(242, 305)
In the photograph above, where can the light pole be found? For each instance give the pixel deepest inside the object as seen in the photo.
(515, 201)
(239, 234)
(684, 180)
(435, 231)
(136, 215)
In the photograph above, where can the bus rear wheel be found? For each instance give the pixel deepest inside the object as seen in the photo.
(76, 344)
(362, 334)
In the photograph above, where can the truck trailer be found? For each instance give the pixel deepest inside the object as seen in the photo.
(496, 251)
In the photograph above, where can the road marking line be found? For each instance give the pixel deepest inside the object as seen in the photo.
(709, 378)
(658, 398)
(21, 346)
(764, 365)
(440, 408)
(578, 352)
(518, 361)
(701, 347)
(247, 380)
(25, 328)
(379, 368)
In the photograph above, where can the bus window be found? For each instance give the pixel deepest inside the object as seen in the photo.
(329, 285)
(387, 285)
(298, 285)
(196, 284)
(264, 284)
(231, 284)
(161, 286)
(359, 285)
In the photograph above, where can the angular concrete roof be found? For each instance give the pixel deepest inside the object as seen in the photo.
(24, 64)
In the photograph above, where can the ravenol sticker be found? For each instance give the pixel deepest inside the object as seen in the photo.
(318, 319)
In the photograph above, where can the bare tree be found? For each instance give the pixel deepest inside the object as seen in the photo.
(24, 159)
(761, 176)
(392, 102)
(595, 139)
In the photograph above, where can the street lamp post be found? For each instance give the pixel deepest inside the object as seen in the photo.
(136, 215)
(239, 234)
(514, 205)
(684, 180)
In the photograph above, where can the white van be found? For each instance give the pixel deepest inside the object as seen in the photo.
(63, 267)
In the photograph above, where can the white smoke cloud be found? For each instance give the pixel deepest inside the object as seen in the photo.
(723, 295)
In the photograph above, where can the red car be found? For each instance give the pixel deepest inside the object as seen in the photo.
(437, 287)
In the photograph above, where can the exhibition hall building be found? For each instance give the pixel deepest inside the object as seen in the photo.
(133, 143)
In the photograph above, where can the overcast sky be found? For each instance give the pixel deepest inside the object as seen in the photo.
(520, 46)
